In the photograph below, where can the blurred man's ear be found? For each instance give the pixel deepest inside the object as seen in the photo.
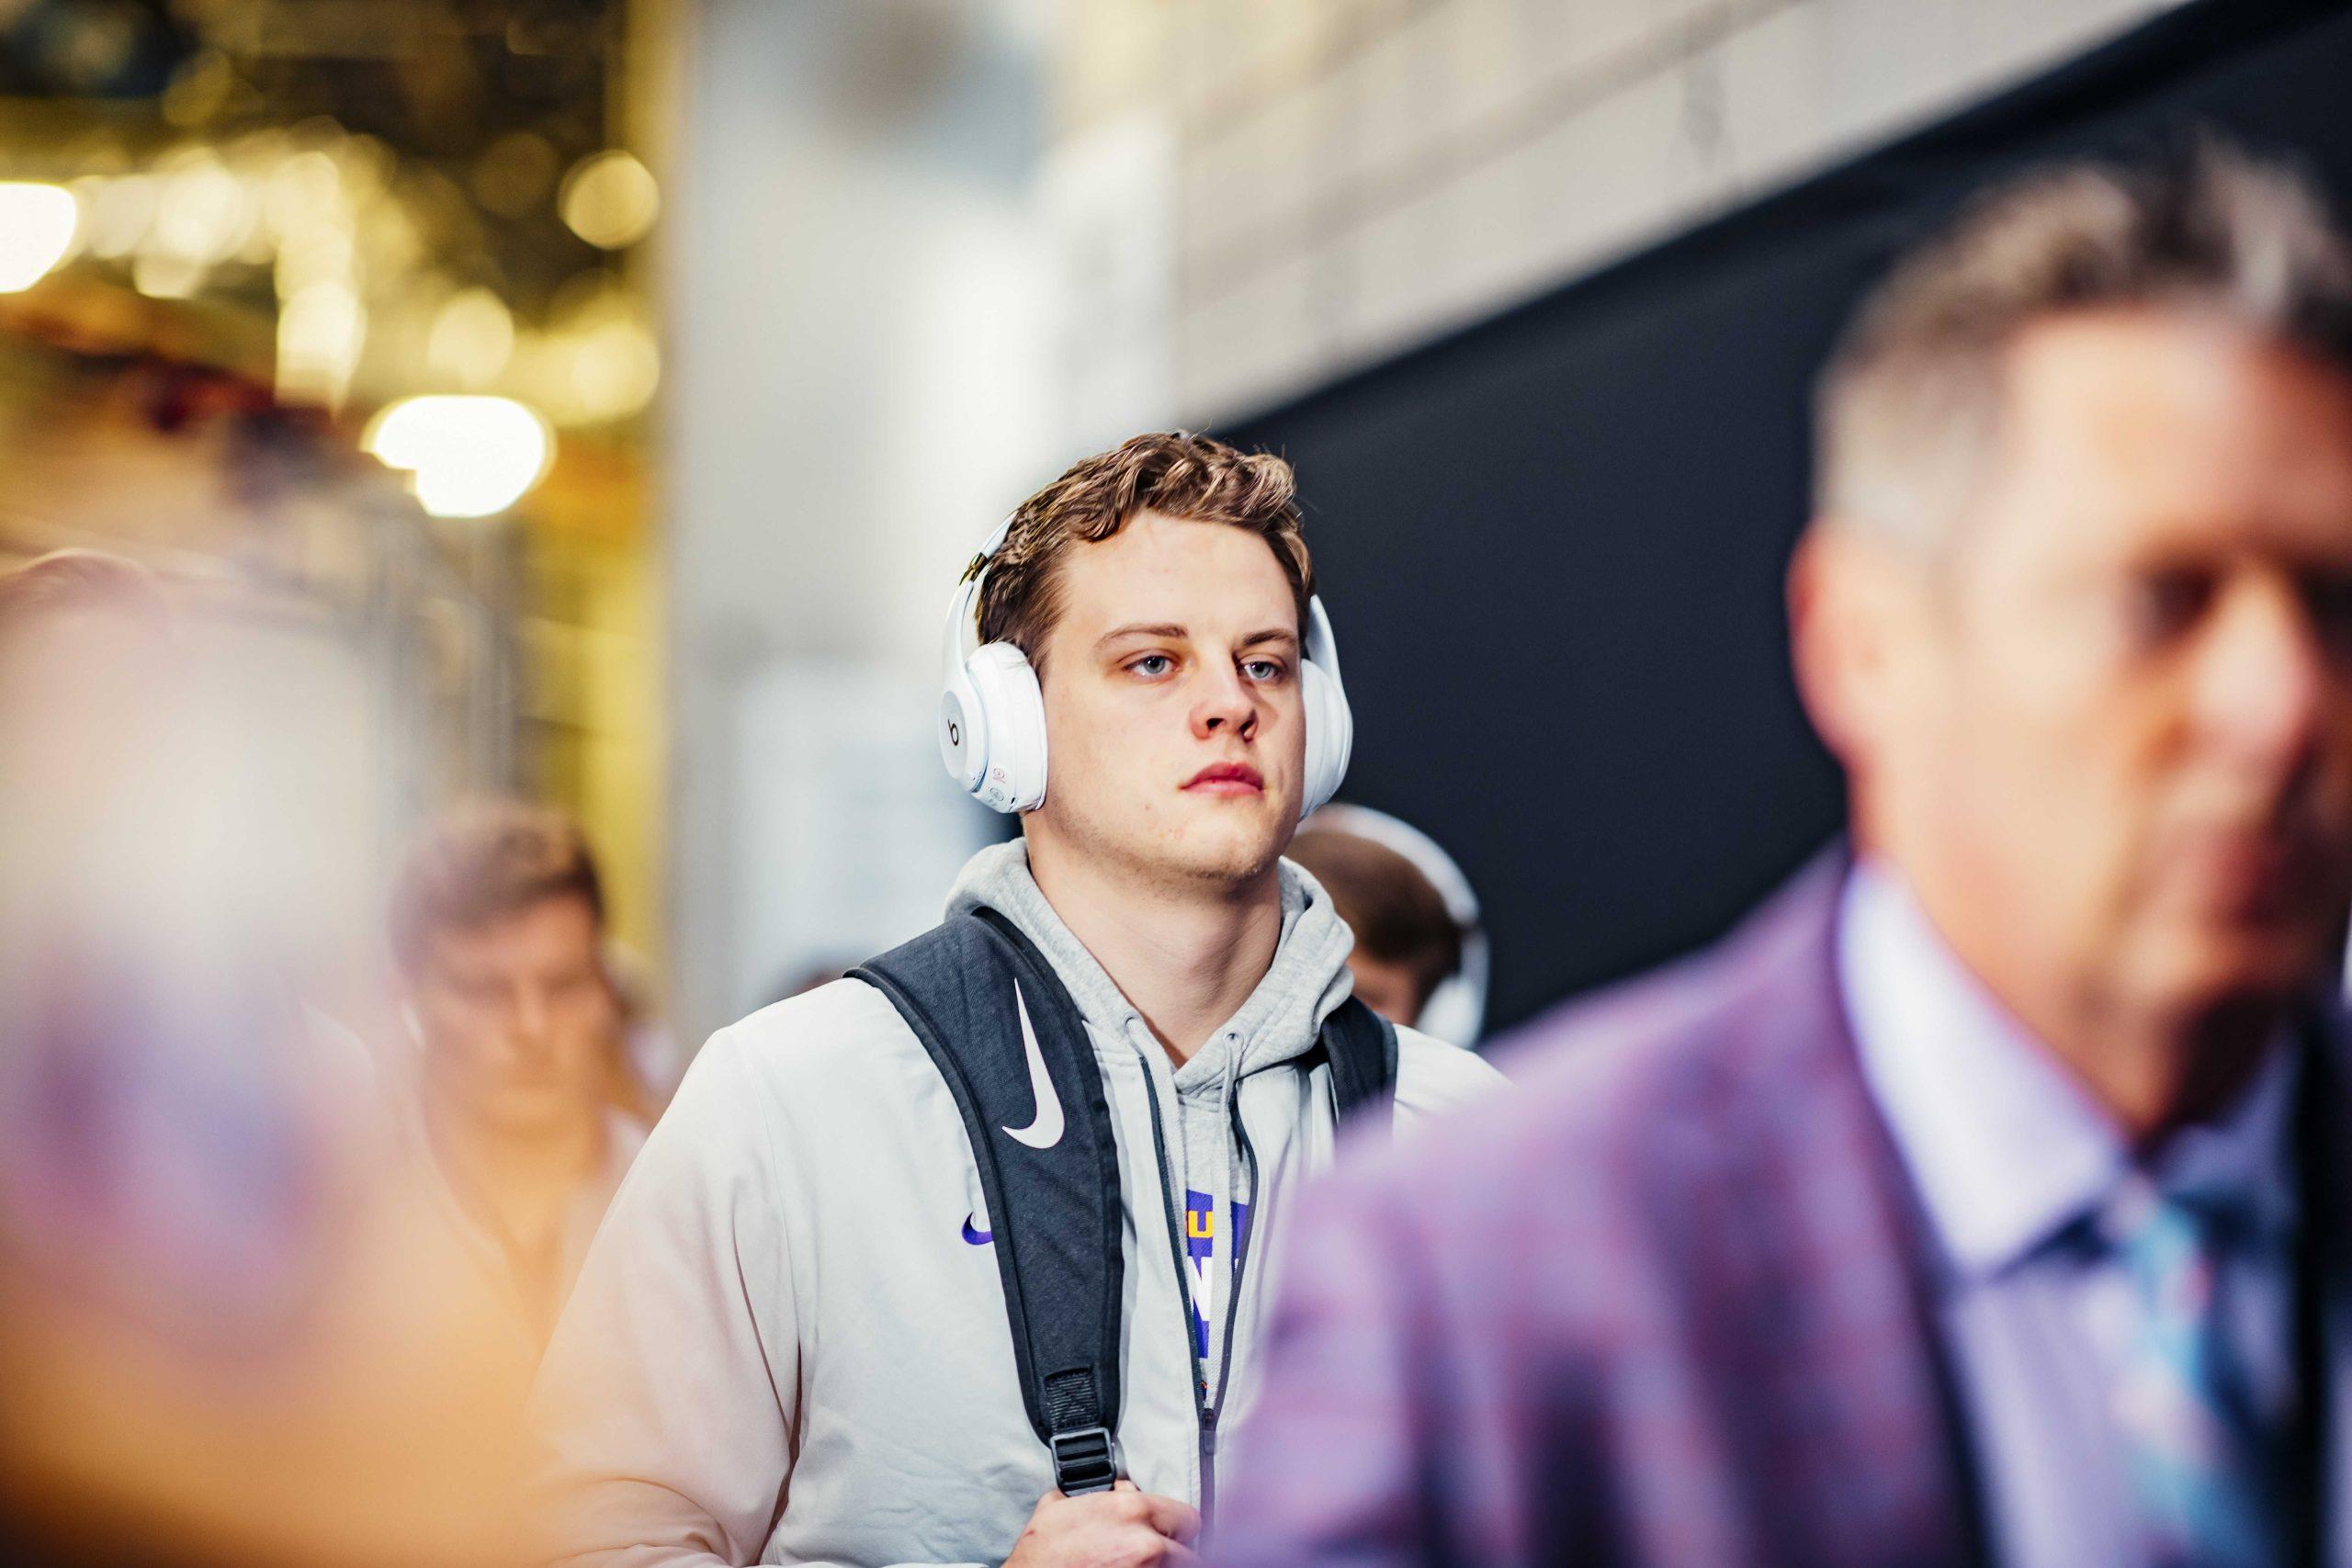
(1849, 598)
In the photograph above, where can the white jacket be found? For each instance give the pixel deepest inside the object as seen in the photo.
(788, 1342)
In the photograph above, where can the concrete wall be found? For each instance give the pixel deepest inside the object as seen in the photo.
(856, 388)
(1358, 175)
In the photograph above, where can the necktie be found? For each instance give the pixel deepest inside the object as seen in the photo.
(2194, 1451)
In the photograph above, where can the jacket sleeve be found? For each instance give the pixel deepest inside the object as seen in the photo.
(1434, 1079)
(663, 1407)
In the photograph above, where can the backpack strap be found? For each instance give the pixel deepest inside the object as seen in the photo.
(1005, 1035)
(1361, 1047)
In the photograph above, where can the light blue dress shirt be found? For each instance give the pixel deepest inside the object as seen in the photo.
(2009, 1151)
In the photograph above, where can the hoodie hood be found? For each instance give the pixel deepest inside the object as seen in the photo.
(1278, 1022)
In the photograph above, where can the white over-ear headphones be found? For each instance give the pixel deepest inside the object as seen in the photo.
(1456, 1010)
(992, 716)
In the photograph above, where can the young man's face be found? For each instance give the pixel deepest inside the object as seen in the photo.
(517, 1016)
(1174, 727)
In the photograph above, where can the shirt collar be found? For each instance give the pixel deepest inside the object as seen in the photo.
(2006, 1147)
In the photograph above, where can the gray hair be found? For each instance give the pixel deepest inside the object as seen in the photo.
(1907, 411)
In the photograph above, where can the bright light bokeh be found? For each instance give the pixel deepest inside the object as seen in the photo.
(471, 456)
(321, 333)
(610, 200)
(202, 214)
(37, 225)
(121, 208)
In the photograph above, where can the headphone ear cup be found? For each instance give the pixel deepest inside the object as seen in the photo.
(1013, 777)
(1331, 735)
(963, 731)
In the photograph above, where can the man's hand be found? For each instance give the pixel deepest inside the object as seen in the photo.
(1119, 1528)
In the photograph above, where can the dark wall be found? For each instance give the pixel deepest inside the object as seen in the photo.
(1553, 545)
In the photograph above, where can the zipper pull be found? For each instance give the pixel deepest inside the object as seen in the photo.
(1208, 1463)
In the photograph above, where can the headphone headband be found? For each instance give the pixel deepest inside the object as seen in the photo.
(964, 607)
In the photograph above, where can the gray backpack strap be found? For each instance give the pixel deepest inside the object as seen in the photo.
(1005, 1035)
(1361, 1046)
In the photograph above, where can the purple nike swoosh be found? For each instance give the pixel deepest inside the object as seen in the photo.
(978, 1238)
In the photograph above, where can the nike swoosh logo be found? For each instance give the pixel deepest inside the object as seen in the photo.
(1044, 1129)
(978, 1238)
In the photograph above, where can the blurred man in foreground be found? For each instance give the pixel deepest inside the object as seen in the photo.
(223, 1333)
(498, 928)
(1981, 1197)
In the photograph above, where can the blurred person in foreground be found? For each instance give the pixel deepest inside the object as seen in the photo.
(221, 1334)
(1420, 953)
(522, 1104)
(790, 1341)
(1981, 1197)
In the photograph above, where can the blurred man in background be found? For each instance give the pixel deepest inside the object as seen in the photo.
(1983, 1196)
(1421, 955)
(522, 1086)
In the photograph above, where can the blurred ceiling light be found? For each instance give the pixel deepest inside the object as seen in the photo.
(472, 338)
(609, 200)
(321, 331)
(319, 249)
(120, 214)
(471, 456)
(202, 214)
(162, 277)
(298, 189)
(615, 369)
(37, 225)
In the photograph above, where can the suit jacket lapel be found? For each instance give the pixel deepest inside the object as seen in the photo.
(1856, 1442)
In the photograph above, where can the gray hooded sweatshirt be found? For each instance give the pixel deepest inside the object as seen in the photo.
(788, 1343)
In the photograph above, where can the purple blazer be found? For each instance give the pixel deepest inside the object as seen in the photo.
(1666, 1305)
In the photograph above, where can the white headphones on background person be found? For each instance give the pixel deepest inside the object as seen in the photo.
(1456, 1010)
(992, 716)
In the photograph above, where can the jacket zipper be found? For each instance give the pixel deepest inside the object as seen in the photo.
(1210, 1413)
(1183, 1279)
(1205, 1409)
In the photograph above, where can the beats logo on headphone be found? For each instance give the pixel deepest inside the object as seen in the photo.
(992, 717)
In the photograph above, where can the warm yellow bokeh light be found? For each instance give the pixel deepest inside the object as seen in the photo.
(615, 369)
(162, 277)
(202, 213)
(609, 200)
(120, 212)
(37, 225)
(321, 331)
(472, 338)
(471, 456)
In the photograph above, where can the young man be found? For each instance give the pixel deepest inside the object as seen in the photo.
(497, 925)
(791, 1343)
